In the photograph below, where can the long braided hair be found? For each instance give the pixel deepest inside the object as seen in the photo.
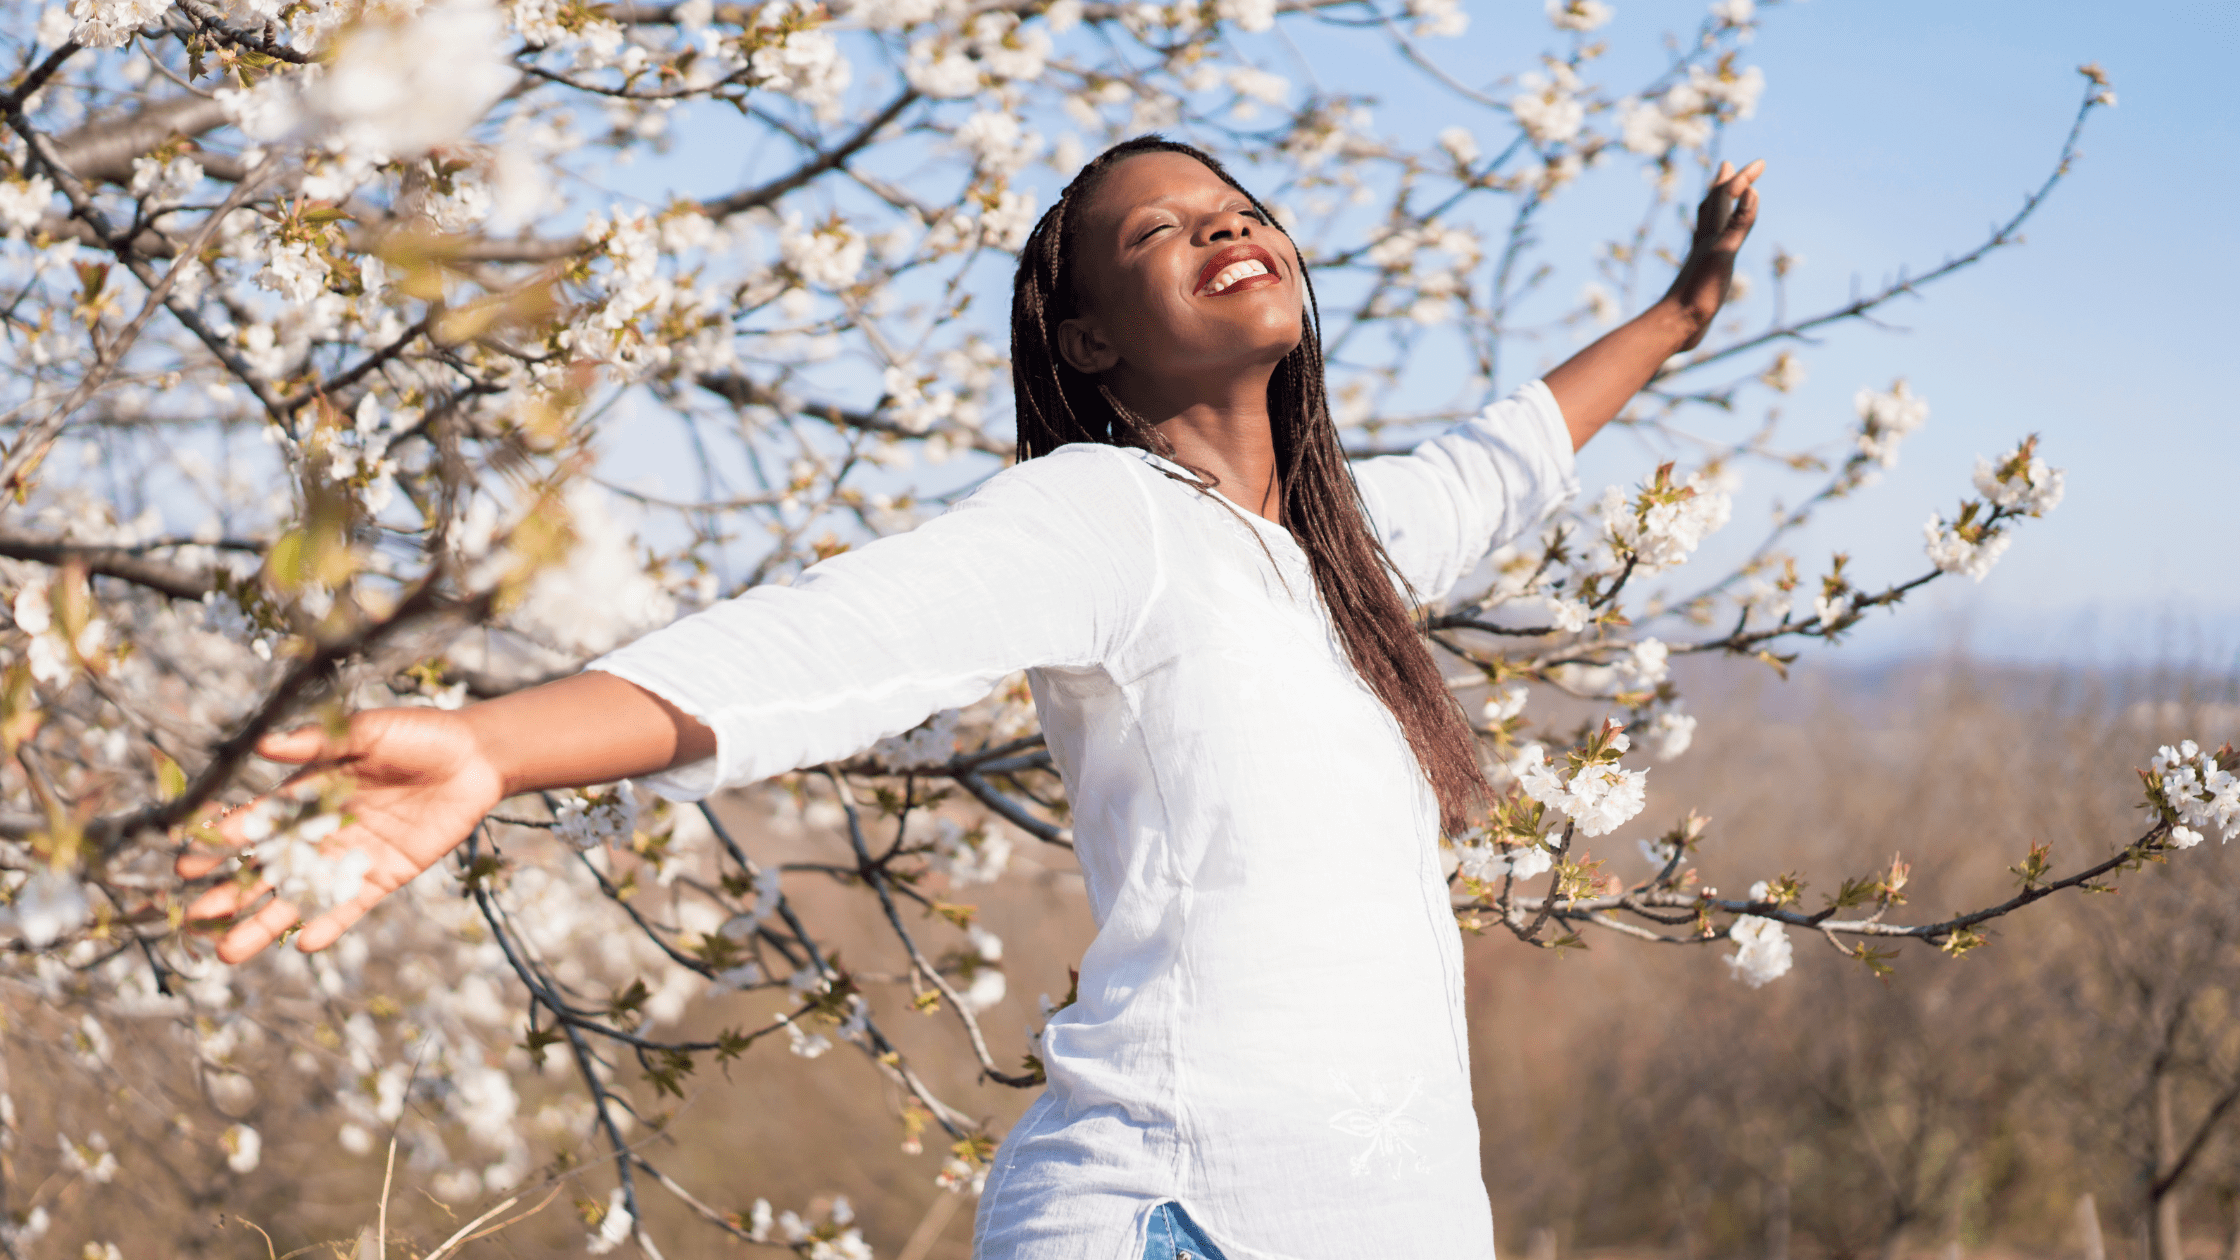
(1321, 505)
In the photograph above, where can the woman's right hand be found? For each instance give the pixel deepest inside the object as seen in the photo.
(419, 780)
(419, 783)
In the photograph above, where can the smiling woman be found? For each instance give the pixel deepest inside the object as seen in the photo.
(1267, 1054)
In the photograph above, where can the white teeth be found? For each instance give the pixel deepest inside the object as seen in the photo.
(1234, 272)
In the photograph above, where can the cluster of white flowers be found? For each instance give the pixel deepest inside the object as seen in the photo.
(1664, 524)
(1579, 15)
(54, 657)
(1734, 12)
(793, 55)
(23, 202)
(976, 856)
(931, 743)
(1435, 260)
(1962, 548)
(295, 271)
(1439, 18)
(590, 818)
(1247, 15)
(614, 1225)
(47, 906)
(1599, 796)
(1671, 734)
(165, 182)
(830, 255)
(1647, 663)
(2020, 482)
(2199, 794)
(985, 981)
(960, 1175)
(91, 1159)
(1885, 419)
(1487, 863)
(396, 89)
(1505, 704)
(109, 23)
(1549, 108)
(1762, 952)
(1682, 118)
(244, 1148)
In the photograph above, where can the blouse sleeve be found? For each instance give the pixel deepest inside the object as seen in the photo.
(1051, 563)
(1442, 506)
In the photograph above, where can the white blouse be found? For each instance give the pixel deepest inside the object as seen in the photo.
(1270, 1024)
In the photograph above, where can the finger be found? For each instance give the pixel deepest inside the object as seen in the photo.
(305, 744)
(329, 927)
(196, 863)
(1725, 169)
(1745, 217)
(226, 900)
(252, 934)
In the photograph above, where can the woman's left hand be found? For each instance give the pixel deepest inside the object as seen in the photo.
(1723, 222)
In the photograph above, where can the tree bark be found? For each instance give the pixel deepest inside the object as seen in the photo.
(2165, 1241)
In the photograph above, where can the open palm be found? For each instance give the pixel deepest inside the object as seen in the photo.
(420, 784)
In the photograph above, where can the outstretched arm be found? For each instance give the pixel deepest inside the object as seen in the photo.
(422, 778)
(1593, 385)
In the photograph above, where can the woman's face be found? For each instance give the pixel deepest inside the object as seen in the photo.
(1180, 277)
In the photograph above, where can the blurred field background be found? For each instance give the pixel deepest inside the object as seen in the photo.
(1635, 1100)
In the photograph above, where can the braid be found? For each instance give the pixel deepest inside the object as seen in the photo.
(1321, 503)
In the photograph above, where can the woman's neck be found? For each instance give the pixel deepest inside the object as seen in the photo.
(1223, 431)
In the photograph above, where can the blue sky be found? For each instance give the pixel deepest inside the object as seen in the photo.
(1897, 133)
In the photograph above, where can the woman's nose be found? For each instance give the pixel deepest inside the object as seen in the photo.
(1229, 225)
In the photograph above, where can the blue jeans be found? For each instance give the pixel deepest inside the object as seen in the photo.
(1174, 1236)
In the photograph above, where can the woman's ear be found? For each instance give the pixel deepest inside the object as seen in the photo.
(1082, 345)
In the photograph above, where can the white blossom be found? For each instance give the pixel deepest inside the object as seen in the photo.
(91, 1159)
(165, 182)
(1762, 950)
(109, 23)
(295, 271)
(397, 89)
(1568, 615)
(978, 856)
(831, 255)
(941, 70)
(49, 906)
(1549, 108)
(2020, 482)
(1953, 551)
(23, 202)
(2202, 795)
(1439, 18)
(590, 820)
(1579, 15)
(931, 743)
(1459, 144)
(958, 1176)
(244, 1148)
(1505, 704)
(1671, 734)
(1648, 662)
(1600, 796)
(1663, 525)
(614, 1225)
(1786, 373)
(1885, 419)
